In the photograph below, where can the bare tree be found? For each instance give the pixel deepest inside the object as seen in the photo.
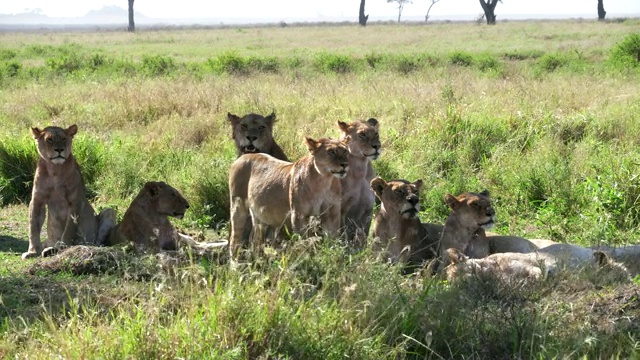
(363, 18)
(601, 12)
(426, 17)
(489, 6)
(401, 4)
(132, 25)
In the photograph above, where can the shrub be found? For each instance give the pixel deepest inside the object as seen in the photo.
(230, 63)
(487, 62)
(10, 69)
(461, 58)
(17, 167)
(334, 63)
(374, 60)
(158, 65)
(7, 54)
(626, 54)
(266, 64)
(64, 64)
(552, 62)
(406, 64)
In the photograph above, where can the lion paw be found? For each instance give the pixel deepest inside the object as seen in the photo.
(50, 251)
(29, 255)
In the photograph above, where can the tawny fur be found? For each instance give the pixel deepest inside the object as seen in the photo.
(253, 133)
(146, 221)
(271, 193)
(357, 197)
(397, 229)
(59, 189)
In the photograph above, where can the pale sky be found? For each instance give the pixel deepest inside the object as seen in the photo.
(262, 9)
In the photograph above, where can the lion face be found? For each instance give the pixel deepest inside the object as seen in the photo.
(472, 209)
(54, 143)
(329, 156)
(364, 138)
(398, 196)
(166, 199)
(253, 133)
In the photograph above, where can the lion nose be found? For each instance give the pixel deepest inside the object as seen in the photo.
(412, 199)
(186, 205)
(375, 147)
(490, 212)
(59, 150)
(252, 138)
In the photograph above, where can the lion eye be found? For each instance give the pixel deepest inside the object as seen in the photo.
(244, 126)
(362, 136)
(332, 153)
(398, 191)
(50, 140)
(475, 206)
(261, 128)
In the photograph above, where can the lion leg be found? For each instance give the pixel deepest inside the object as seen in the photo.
(240, 219)
(36, 220)
(106, 220)
(330, 220)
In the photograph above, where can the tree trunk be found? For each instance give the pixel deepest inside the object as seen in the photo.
(132, 25)
(400, 6)
(489, 6)
(363, 18)
(601, 12)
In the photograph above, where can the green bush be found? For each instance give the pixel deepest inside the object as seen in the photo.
(263, 64)
(334, 63)
(18, 158)
(552, 62)
(158, 65)
(626, 54)
(230, 63)
(65, 64)
(406, 64)
(487, 63)
(10, 69)
(461, 58)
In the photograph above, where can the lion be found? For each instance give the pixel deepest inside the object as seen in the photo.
(526, 266)
(357, 197)
(146, 221)
(397, 228)
(253, 133)
(58, 187)
(626, 254)
(464, 230)
(271, 193)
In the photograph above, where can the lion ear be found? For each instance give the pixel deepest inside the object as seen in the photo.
(271, 118)
(601, 258)
(485, 192)
(36, 132)
(418, 184)
(311, 144)
(373, 122)
(455, 256)
(72, 130)
(378, 185)
(343, 126)
(152, 187)
(451, 201)
(233, 118)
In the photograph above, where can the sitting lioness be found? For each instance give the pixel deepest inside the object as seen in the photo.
(146, 222)
(58, 186)
(253, 133)
(464, 230)
(357, 197)
(271, 193)
(397, 228)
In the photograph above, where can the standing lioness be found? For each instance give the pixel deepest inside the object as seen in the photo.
(270, 193)
(58, 186)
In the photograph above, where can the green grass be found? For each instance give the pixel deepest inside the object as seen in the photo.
(542, 114)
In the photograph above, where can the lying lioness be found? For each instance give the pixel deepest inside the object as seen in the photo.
(146, 221)
(271, 193)
(59, 188)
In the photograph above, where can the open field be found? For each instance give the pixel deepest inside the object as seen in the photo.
(545, 115)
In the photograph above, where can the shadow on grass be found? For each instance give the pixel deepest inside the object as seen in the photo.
(10, 244)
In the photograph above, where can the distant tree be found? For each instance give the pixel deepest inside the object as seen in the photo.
(363, 18)
(601, 12)
(132, 25)
(426, 17)
(401, 4)
(489, 6)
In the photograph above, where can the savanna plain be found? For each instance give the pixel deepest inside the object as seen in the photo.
(543, 114)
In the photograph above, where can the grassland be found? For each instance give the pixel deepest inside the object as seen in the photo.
(545, 115)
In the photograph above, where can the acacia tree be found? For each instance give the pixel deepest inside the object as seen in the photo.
(132, 25)
(601, 12)
(363, 19)
(426, 17)
(401, 4)
(488, 6)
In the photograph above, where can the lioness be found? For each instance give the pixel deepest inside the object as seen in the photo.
(146, 222)
(58, 186)
(472, 214)
(397, 228)
(357, 197)
(271, 193)
(253, 133)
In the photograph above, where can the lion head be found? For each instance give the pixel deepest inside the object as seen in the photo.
(54, 143)
(472, 209)
(329, 156)
(505, 266)
(253, 133)
(364, 138)
(398, 196)
(165, 199)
